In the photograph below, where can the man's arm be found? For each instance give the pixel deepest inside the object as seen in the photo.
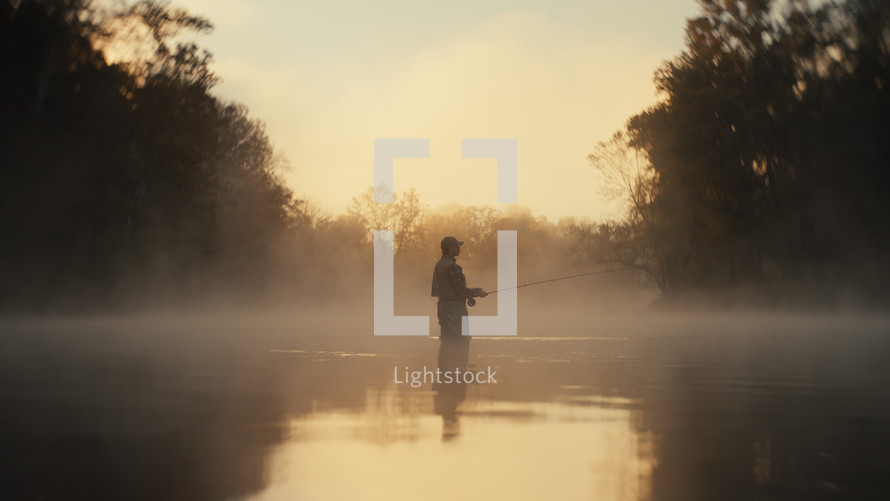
(460, 284)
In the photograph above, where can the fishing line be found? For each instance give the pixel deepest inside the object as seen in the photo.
(472, 302)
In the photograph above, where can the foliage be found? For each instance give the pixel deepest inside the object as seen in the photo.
(763, 158)
(118, 177)
(402, 217)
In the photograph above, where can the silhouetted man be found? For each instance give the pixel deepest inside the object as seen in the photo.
(450, 286)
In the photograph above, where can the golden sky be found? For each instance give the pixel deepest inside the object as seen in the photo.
(329, 78)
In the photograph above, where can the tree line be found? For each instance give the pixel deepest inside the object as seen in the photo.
(760, 165)
(117, 178)
(126, 181)
(762, 162)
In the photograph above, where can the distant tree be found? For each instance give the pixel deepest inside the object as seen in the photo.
(404, 217)
(625, 175)
(482, 223)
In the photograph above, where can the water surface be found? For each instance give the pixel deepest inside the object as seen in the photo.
(657, 407)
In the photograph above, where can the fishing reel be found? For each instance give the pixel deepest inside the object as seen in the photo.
(471, 302)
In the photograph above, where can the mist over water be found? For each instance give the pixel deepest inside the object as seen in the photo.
(288, 406)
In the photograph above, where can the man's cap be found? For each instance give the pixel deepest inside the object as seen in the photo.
(449, 241)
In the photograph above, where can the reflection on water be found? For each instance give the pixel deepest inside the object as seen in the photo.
(719, 408)
(505, 451)
(453, 357)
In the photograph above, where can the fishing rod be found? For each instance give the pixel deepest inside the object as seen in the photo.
(472, 302)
